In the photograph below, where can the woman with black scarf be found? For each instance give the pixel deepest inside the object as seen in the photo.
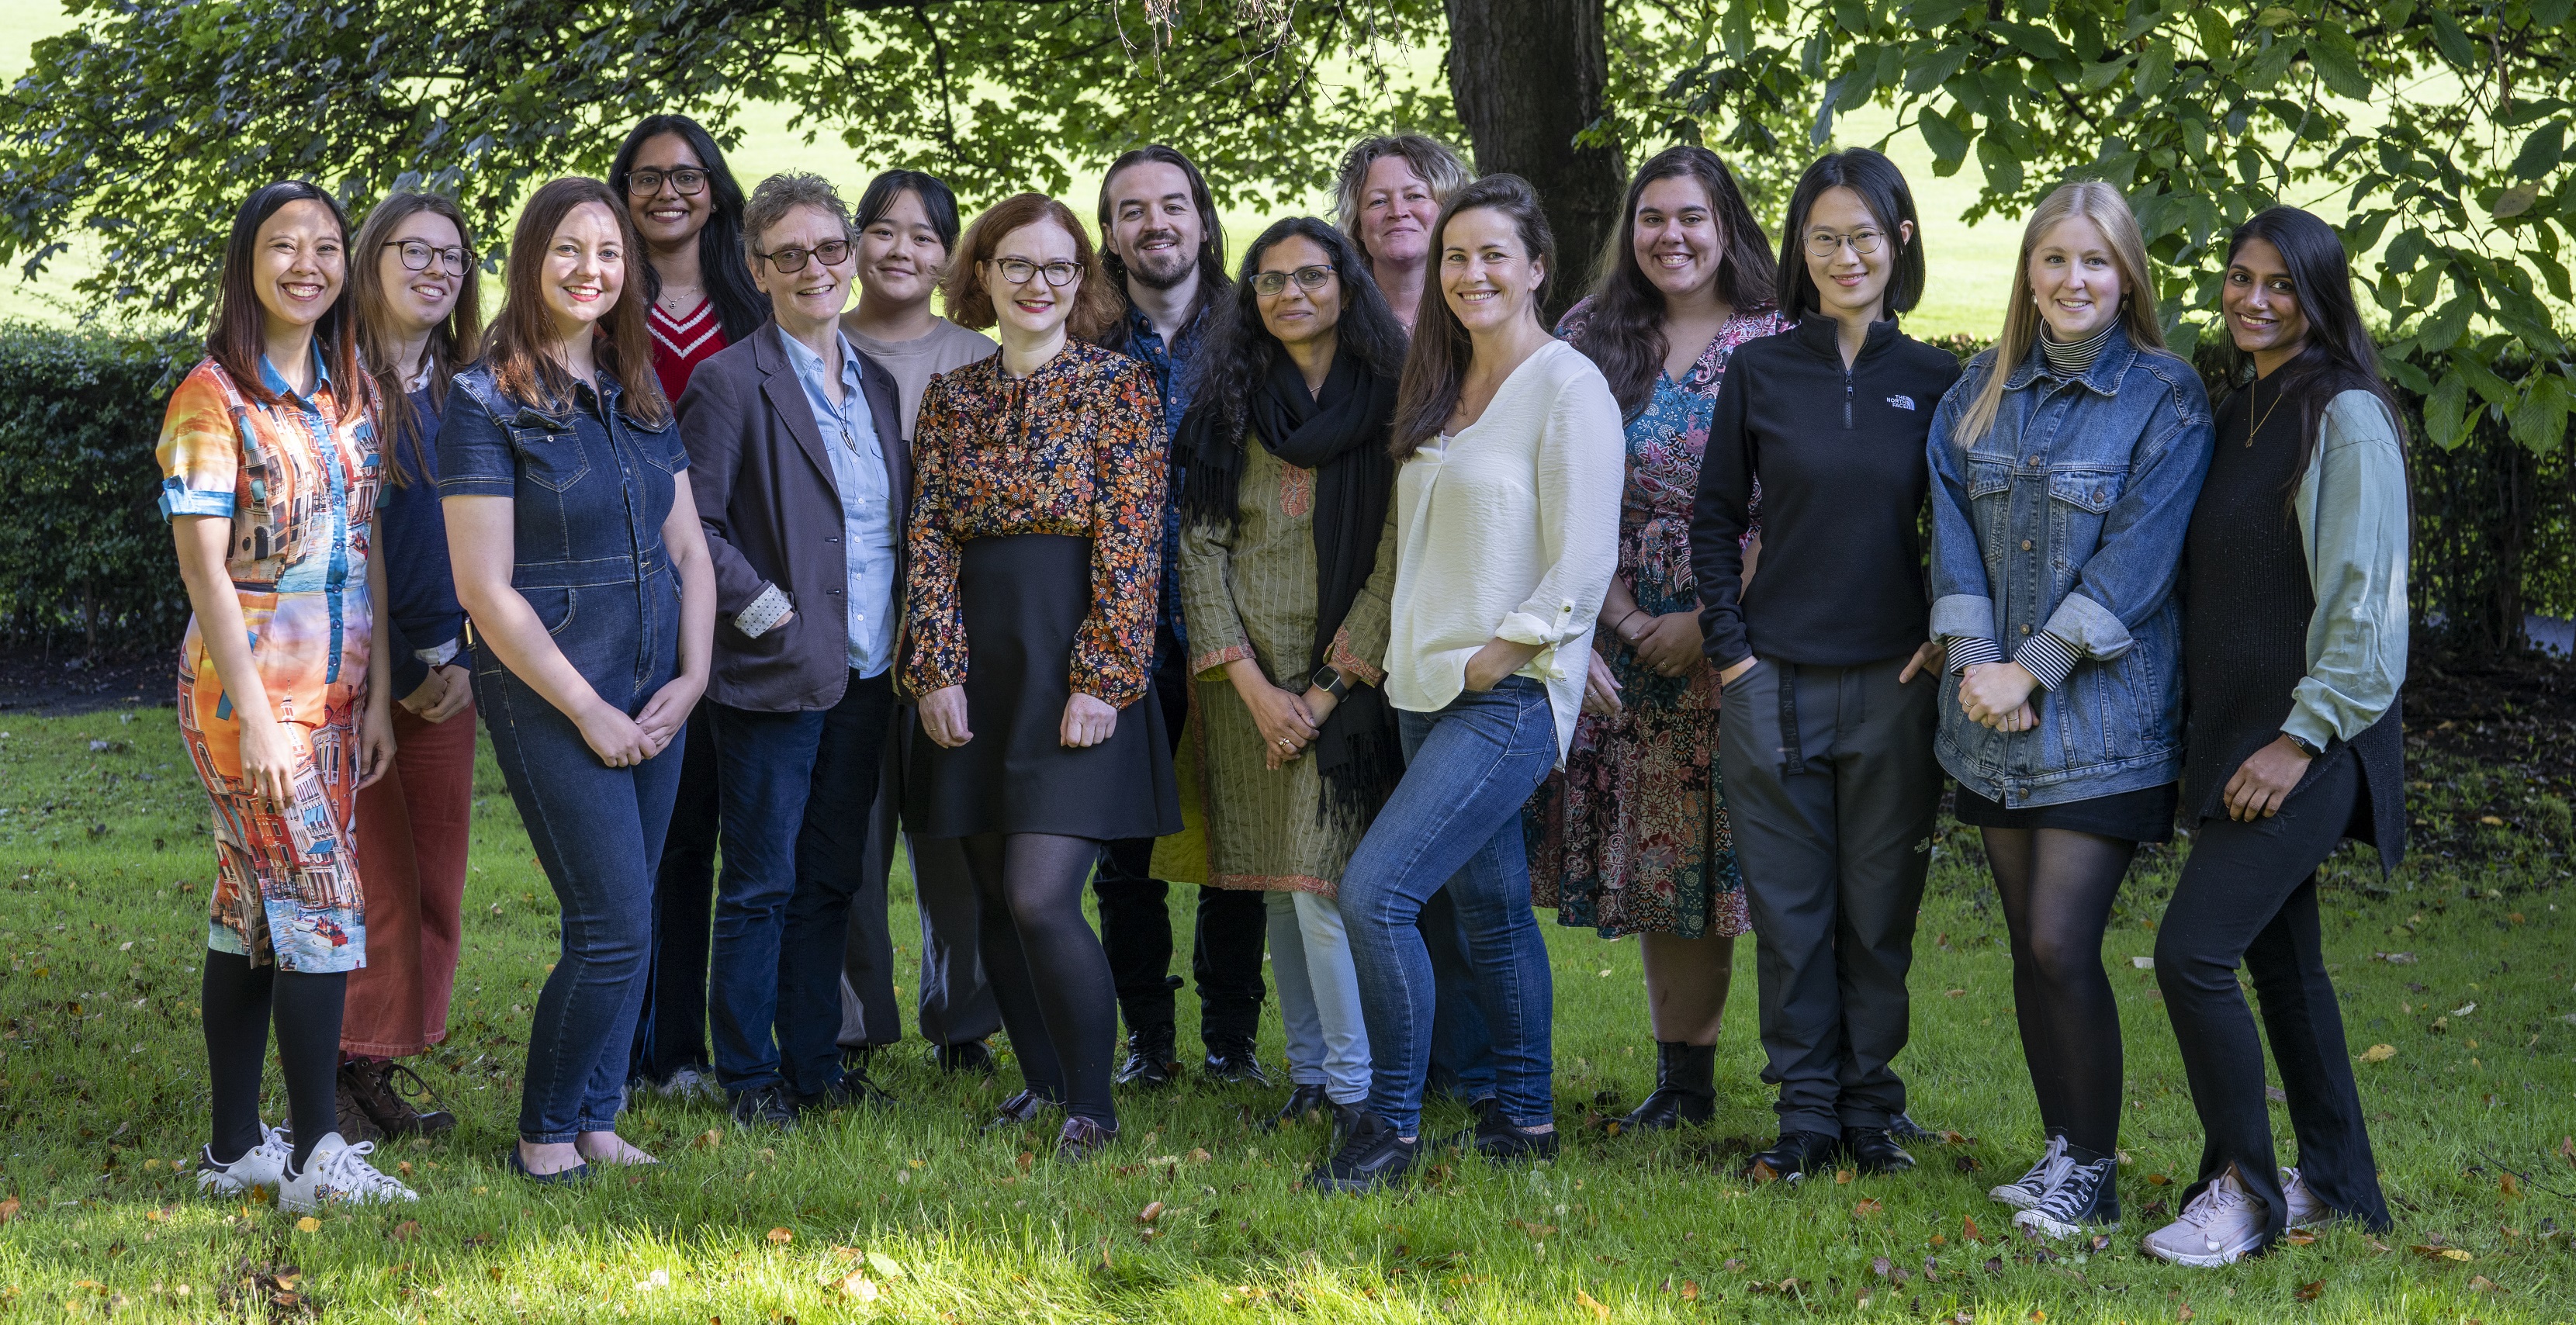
(1286, 563)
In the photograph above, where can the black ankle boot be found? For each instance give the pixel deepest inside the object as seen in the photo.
(1685, 1088)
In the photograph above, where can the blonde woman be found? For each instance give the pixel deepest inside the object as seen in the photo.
(2065, 463)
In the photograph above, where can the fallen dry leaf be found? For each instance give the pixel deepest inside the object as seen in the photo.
(2310, 1291)
(1690, 1290)
(709, 1139)
(1026, 1158)
(8, 1209)
(2036, 1315)
(404, 1231)
(1969, 1232)
(1761, 1173)
(2185, 1313)
(2479, 1283)
(859, 1286)
(1880, 1265)
(1954, 993)
(1200, 1157)
(2158, 1180)
(2509, 1185)
(1599, 1312)
(2297, 1238)
(1865, 1209)
(781, 1236)
(1153, 1210)
(1843, 1177)
(308, 1224)
(2379, 1053)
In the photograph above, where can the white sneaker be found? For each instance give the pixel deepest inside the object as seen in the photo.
(338, 1172)
(2306, 1210)
(2031, 1188)
(263, 1165)
(689, 1084)
(2220, 1225)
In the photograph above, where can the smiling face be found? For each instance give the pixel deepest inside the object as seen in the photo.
(299, 263)
(667, 218)
(2261, 302)
(1396, 214)
(1033, 309)
(2075, 279)
(418, 301)
(1849, 281)
(1486, 273)
(1154, 224)
(814, 294)
(1297, 315)
(1676, 238)
(900, 257)
(585, 269)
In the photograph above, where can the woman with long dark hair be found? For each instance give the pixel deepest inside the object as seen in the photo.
(1632, 838)
(1826, 657)
(269, 462)
(1506, 534)
(580, 560)
(418, 324)
(2064, 466)
(1284, 578)
(2294, 649)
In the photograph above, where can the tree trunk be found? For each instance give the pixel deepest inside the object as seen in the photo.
(1527, 76)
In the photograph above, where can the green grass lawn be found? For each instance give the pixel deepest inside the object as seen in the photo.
(910, 1215)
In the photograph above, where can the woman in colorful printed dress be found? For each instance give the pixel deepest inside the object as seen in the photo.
(1632, 837)
(1037, 554)
(1285, 570)
(268, 462)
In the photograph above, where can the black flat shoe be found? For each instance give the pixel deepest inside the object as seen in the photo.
(1685, 1089)
(1794, 1156)
(1019, 1111)
(559, 1178)
(1081, 1138)
(1232, 1063)
(1371, 1158)
(1498, 1138)
(1304, 1100)
(1873, 1150)
(764, 1106)
(966, 1056)
(1152, 1062)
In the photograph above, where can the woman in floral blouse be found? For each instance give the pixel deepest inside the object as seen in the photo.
(1631, 838)
(1036, 555)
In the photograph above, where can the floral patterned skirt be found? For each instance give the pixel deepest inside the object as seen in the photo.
(1631, 836)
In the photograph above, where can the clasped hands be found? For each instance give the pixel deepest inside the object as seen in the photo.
(1998, 695)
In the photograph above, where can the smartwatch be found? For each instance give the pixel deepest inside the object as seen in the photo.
(2311, 751)
(1329, 680)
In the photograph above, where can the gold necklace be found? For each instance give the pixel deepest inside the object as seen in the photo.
(2267, 414)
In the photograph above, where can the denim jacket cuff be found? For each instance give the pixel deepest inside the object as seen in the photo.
(2089, 628)
(1968, 615)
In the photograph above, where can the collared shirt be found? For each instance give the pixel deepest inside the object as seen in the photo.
(867, 511)
(1170, 366)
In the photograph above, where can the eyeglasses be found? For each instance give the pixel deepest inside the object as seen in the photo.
(686, 182)
(1309, 279)
(1018, 271)
(1825, 243)
(416, 256)
(831, 253)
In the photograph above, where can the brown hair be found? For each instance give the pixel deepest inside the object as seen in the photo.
(453, 344)
(237, 336)
(1624, 330)
(516, 350)
(1097, 303)
(1435, 369)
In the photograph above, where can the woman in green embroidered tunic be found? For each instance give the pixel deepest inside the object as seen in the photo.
(1286, 561)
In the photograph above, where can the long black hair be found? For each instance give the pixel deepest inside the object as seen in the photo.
(1882, 189)
(1623, 332)
(1435, 365)
(2338, 354)
(740, 306)
(237, 336)
(1236, 357)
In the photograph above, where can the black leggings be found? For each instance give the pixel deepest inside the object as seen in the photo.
(2057, 886)
(239, 1001)
(1049, 974)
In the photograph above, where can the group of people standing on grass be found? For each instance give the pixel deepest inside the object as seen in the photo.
(739, 550)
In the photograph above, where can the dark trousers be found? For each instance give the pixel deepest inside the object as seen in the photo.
(2248, 896)
(956, 1003)
(1832, 787)
(672, 1032)
(1136, 925)
(797, 787)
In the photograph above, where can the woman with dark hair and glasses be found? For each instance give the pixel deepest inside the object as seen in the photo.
(1828, 671)
(1632, 838)
(2294, 649)
(698, 298)
(269, 466)
(1284, 579)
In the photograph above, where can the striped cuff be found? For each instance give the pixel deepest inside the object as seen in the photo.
(765, 612)
(1967, 651)
(2046, 658)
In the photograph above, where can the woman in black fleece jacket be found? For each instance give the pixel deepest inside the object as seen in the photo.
(1826, 730)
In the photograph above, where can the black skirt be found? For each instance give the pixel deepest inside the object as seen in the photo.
(1023, 597)
(2144, 815)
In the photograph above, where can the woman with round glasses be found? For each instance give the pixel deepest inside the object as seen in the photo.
(1036, 548)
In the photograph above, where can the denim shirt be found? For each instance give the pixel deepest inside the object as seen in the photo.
(590, 488)
(1170, 365)
(867, 511)
(2056, 540)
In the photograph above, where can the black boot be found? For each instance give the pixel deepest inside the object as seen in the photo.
(1151, 1059)
(1685, 1088)
(1794, 1156)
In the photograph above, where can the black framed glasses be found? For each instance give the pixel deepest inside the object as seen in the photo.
(831, 253)
(1825, 243)
(417, 255)
(1018, 271)
(687, 181)
(1309, 279)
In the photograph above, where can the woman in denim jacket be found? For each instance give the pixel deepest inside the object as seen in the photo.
(2064, 467)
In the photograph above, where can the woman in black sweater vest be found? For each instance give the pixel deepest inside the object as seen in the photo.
(2294, 646)
(1827, 715)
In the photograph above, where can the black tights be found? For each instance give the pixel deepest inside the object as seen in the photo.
(2057, 887)
(240, 1000)
(1048, 971)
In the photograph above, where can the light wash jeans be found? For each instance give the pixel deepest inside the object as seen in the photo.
(1319, 995)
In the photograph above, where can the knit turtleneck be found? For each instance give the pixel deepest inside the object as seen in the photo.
(2074, 359)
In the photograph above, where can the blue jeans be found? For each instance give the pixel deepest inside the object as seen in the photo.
(1454, 822)
(797, 790)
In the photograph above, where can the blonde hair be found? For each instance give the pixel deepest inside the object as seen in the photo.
(2109, 212)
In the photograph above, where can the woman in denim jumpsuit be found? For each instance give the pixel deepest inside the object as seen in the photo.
(2060, 494)
(576, 545)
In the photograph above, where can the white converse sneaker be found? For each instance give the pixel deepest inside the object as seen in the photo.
(2085, 1198)
(338, 1172)
(2221, 1224)
(2030, 1188)
(263, 1165)
(2306, 1210)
